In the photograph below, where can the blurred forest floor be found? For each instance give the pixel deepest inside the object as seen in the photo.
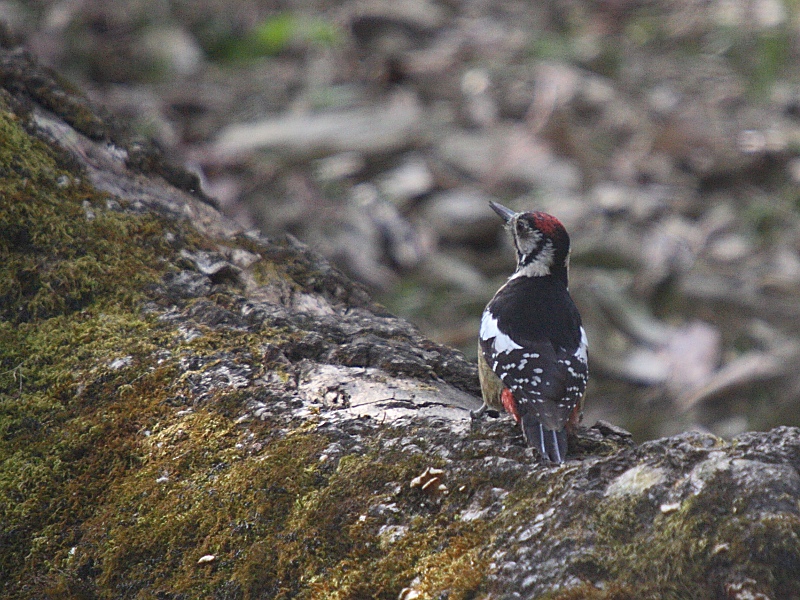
(664, 134)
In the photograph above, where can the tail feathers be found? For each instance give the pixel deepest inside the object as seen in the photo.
(551, 444)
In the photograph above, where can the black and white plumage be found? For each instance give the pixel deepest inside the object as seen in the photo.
(532, 351)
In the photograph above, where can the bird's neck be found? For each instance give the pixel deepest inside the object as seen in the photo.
(538, 269)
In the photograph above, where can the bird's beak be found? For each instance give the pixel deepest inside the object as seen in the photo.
(505, 213)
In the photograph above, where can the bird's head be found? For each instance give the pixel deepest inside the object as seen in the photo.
(541, 242)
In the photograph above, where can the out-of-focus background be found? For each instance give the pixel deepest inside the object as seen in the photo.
(665, 134)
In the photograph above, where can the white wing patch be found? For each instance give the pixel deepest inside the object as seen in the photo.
(489, 329)
(582, 353)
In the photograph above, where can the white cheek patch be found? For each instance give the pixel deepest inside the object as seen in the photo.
(489, 329)
(526, 242)
(540, 266)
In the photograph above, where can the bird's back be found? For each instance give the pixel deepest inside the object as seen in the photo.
(543, 360)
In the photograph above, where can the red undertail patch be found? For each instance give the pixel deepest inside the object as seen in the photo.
(507, 398)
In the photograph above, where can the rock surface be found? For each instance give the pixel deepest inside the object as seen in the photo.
(190, 410)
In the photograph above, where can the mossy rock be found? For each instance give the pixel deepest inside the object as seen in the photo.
(188, 411)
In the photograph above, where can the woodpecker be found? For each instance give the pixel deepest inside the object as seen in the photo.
(532, 351)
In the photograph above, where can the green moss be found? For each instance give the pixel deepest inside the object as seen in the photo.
(666, 560)
(91, 454)
(70, 274)
(57, 260)
(276, 524)
(676, 554)
(198, 493)
(52, 426)
(341, 520)
(772, 547)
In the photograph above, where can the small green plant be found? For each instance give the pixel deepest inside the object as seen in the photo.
(278, 34)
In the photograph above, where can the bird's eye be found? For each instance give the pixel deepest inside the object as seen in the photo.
(523, 227)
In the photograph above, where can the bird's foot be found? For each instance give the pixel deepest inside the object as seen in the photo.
(477, 414)
(483, 410)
